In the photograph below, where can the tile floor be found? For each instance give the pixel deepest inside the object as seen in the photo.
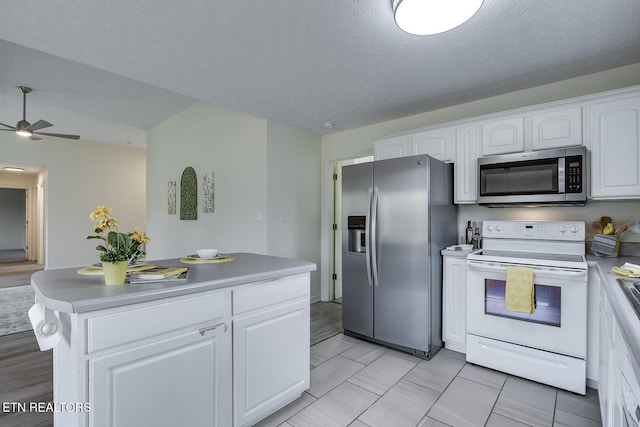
(360, 384)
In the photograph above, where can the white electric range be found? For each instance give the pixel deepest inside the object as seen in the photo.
(549, 345)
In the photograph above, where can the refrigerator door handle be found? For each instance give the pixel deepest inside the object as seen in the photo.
(367, 238)
(374, 223)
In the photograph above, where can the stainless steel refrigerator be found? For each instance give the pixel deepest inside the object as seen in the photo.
(398, 214)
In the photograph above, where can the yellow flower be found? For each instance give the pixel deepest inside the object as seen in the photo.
(106, 223)
(139, 236)
(99, 212)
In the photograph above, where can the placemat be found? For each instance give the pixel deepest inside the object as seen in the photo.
(190, 260)
(93, 271)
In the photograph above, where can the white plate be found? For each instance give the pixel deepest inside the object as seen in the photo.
(195, 256)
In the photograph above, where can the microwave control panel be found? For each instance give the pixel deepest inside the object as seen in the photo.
(573, 180)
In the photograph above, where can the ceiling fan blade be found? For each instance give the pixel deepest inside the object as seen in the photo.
(35, 138)
(40, 124)
(60, 135)
(10, 127)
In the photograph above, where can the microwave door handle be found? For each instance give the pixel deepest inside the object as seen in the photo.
(562, 171)
(367, 237)
(503, 269)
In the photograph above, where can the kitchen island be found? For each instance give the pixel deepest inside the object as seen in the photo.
(227, 346)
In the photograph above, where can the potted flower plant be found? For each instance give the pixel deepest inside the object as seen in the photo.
(118, 250)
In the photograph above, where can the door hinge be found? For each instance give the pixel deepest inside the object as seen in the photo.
(334, 276)
(335, 176)
(334, 227)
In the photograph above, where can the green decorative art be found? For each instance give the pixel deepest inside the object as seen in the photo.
(189, 194)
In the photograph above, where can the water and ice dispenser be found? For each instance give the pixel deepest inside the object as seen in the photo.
(356, 226)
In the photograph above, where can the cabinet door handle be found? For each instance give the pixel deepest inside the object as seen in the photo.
(212, 327)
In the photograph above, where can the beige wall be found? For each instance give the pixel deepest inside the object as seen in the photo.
(79, 176)
(267, 182)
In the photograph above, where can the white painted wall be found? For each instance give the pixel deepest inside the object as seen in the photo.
(258, 166)
(356, 142)
(81, 175)
(293, 196)
(209, 139)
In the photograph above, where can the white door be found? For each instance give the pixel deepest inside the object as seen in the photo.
(270, 360)
(177, 381)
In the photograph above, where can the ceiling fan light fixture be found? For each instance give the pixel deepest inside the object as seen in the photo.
(24, 132)
(428, 17)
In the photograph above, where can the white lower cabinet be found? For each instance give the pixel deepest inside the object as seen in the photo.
(179, 380)
(454, 305)
(218, 358)
(614, 364)
(270, 348)
(270, 360)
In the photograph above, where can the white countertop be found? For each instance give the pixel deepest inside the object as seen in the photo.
(622, 308)
(459, 253)
(67, 291)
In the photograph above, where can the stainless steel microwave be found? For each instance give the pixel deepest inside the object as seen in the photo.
(546, 177)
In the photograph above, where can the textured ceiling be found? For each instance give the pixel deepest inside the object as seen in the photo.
(300, 63)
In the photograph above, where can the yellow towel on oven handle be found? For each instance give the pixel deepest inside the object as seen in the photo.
(519, 290)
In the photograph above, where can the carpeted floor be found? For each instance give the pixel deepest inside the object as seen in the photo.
(14, 305)
(16, 296)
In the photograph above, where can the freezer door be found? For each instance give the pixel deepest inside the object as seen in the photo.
(402, 291)
(357, 290)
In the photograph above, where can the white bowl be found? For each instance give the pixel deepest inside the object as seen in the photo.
(207, 253)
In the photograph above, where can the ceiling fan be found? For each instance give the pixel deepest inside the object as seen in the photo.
(24, 128)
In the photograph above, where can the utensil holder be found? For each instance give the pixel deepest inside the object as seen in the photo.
(606, 245)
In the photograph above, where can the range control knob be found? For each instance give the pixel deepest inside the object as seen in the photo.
(573, 229)
(489, 227)
(562, 228)
(499, 227)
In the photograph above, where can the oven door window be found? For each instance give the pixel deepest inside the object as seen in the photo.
(519, 178)
(547, 303)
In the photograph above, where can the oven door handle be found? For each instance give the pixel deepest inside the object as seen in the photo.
(474, 265)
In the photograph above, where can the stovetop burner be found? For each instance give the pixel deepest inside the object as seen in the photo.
(535, 243)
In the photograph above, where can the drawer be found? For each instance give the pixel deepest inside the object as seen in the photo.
(265, 294)
(126, 326)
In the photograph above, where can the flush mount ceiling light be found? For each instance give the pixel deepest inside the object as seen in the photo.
(427, 17)
(13, 169)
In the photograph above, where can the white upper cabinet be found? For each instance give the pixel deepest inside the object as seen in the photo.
(437, 143)
(503, 136)
(556, 128)
(390, 148)
(614, 142)
(465, 167)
